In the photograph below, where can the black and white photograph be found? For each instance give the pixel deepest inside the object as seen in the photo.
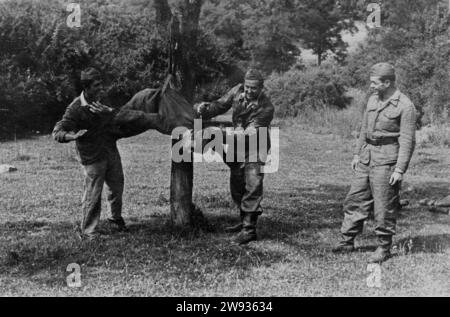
(224, 154)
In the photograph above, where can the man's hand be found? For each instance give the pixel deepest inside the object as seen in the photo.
(250, 131)
(355, 162)
(203, 108)
(396, 178)
(72, 136)
(99, 108)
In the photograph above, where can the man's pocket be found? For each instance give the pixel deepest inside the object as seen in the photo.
(364, 156)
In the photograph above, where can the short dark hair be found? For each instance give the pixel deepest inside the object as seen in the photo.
(391, 78)
(88, 76)
(254, 74)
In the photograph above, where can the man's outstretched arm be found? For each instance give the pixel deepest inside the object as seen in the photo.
(220, 106)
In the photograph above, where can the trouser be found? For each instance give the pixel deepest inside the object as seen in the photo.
(371, 190)
(246, 186)
(107, 171)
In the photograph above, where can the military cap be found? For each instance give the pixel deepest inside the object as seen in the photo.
(254, 75)
(90, 74)
(382, 70)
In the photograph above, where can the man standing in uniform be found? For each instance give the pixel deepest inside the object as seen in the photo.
(252, 110)
(382, 157)
(88, 122)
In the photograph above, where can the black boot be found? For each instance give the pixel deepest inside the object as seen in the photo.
(248, 233)
(347, 245)
(236, 228)
(118, 224)
(383, 253)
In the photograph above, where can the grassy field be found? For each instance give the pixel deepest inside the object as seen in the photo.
(40, 206)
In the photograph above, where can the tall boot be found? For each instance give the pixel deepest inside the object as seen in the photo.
(248, 233)
(383, 252)
(346, 245)
(238, 227)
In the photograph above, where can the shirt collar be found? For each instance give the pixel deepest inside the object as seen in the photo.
(378, 104)
(393, 98)
(83, 101)
(252, 103)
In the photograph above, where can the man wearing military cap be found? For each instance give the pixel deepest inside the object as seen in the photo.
(88, 122)
(252, 110)
(381, 158)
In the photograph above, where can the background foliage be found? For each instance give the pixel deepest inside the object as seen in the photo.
(41, 58)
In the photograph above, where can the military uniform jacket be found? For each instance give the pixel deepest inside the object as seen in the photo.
(257, 114)
(393, 120)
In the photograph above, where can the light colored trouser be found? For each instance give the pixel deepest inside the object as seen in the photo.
(371, 191)
(109, 171)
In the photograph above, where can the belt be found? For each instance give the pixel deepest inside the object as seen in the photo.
(383, 141)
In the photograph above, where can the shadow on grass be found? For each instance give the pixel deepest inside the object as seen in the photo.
(297, 218)
(428, 190)
(299, 210)
(30, 248)
(433, 244)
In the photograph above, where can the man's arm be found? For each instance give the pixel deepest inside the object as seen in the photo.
(361, 141)
(67, 129)
(220, 106)
(407, 139)
(362, 135)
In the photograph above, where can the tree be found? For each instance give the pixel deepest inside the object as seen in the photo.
(181, 25)
(320, 24)
(269, 35)
(254, 32)
(415, 37)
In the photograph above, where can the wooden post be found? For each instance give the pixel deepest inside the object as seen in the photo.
(181, 184)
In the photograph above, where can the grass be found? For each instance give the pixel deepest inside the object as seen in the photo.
(40, 206)
(435, 135)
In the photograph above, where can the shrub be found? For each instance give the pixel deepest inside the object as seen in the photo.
(438, 135)
(345, 123)
(416, 39)
(41, 58)
(297, 92)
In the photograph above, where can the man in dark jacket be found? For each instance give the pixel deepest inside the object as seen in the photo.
(252, 110)
(89, 123)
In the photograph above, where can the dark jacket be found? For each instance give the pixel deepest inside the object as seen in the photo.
(246, 114)
(97, 142)
(255, 114)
